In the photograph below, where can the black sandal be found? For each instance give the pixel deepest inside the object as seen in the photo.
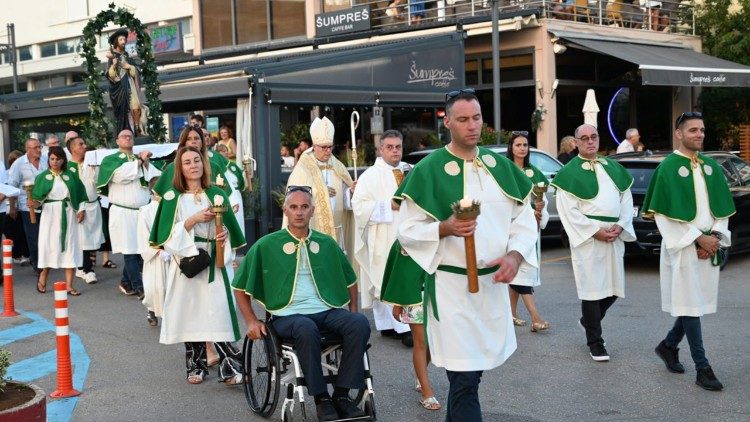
(74, 292)
(43, 288)
(109, 264)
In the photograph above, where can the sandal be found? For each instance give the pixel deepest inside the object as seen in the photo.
(539, 326)
(74, 292)
(109, 264)
(196, 377)
(41, 288)
(518, 322)
(235, 380)
(430, 403)
(417, 385)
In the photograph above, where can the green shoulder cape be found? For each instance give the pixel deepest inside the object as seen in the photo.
(167, 212)
(535, 175)
(164, 183)
(109, 164)
(233, 168)
(269, 271)
(578, 177)
(403, 279)
(671, 191)
(43, 185)
(444, 170)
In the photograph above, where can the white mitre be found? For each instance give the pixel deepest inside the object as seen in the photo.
(321, 131)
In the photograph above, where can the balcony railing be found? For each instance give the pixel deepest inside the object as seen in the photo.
(649, 15)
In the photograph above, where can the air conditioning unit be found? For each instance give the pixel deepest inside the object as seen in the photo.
(188, 43)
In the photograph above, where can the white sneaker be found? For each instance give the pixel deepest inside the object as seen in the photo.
(80, 274)
(21, 261)
(90, 278)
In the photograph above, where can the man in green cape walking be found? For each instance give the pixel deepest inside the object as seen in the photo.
(304, 280)
(691, 203)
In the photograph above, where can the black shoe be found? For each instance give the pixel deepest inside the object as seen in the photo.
(151, 318)
(346, 408)
(707, 380)
(407, 339)
(124, 289)
(389, 333)
(599, 353)
(326, 411)
(670, 358)
(140, 294)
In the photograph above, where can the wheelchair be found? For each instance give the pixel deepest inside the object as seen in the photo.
(270, 363)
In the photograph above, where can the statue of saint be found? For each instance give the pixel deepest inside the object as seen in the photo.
(124, 85)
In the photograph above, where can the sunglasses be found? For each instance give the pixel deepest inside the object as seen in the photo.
(687, 116)
(454, 94)
(294, 188)
(520, 133)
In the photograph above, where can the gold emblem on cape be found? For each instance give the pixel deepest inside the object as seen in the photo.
(73, 169)
(586, 165)
(122, 155)
(169, 195)
(288, 248)
(314, 247)
(683, 171)
(452, 168)
(529, 173)
(49, 177)
(489, 160)
(708, 170)
(65, 177)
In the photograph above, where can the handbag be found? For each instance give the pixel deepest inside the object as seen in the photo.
(193, 265)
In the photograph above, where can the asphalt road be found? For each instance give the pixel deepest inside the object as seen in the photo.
(549, 378)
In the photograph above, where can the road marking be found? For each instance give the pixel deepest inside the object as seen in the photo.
(558, 259)
(44, 364)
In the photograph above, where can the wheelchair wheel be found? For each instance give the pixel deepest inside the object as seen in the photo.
(261, 370)
(370, 408)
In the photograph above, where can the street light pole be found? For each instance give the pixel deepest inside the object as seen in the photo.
(496, 69)
(11, 49)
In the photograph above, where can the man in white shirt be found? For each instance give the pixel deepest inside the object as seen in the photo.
(632, 137)
(24, 171)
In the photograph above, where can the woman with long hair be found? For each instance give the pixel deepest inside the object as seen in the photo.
(61, 195)
(199, 309)
(528, 277)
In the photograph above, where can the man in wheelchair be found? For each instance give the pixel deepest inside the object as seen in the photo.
(304, 280)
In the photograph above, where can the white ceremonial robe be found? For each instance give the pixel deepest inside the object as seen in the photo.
(375, 232)
(90, 230)
(194, 309)
(475, 331)
(529, 275)
(126, 196)
(155, 270)
(235, 198)
(50, 252)
(598, 266)
(689, 285)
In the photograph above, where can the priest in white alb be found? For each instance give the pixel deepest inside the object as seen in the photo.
(691, 203)
(467, 333)
(331, 184)
(596, 210)
(376, 219)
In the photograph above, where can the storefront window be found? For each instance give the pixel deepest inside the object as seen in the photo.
(288, 18)
(333, 5)
(216, 16)
(254, 17)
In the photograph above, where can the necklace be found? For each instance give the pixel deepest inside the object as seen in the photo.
(197, 195)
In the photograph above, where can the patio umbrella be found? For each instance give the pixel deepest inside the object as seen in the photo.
(590, 108)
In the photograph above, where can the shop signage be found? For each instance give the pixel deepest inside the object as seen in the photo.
(355, 19)
(164, 39)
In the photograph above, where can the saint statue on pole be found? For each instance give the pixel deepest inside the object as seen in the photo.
(124, 86)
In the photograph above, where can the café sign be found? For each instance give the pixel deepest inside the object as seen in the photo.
(355, 19)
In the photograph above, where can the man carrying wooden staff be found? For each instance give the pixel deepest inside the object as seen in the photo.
(467, 332)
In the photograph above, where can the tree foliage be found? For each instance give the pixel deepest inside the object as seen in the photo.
(723, 25)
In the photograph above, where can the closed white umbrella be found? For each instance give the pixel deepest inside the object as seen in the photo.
(590, 108)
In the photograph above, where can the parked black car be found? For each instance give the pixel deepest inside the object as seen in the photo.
(642, 165)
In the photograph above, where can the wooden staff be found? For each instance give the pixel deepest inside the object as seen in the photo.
(28, 187)
(218, 208)
(466, 209)
(249, 165)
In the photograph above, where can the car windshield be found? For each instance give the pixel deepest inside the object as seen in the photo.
(641, 176)
(546, 164)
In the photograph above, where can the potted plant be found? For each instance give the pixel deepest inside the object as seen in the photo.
(18, 401)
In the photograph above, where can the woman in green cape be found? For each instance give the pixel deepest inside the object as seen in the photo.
(528, 276)
(60, 193)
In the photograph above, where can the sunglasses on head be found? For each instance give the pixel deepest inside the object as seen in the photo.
(454, 94)
(293, 188)
(520, 133)
(687, 116)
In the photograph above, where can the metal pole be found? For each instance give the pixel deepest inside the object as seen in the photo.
(12, 54)
(496, 69)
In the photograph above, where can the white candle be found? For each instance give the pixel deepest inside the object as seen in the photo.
(218, 200)
(540, 184)
(219, 180)
(246, 157)
(27, 183)
(465, 203)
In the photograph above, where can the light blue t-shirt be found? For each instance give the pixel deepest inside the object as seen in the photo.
(306, 299)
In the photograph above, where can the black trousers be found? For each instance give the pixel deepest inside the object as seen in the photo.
(593, 313)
